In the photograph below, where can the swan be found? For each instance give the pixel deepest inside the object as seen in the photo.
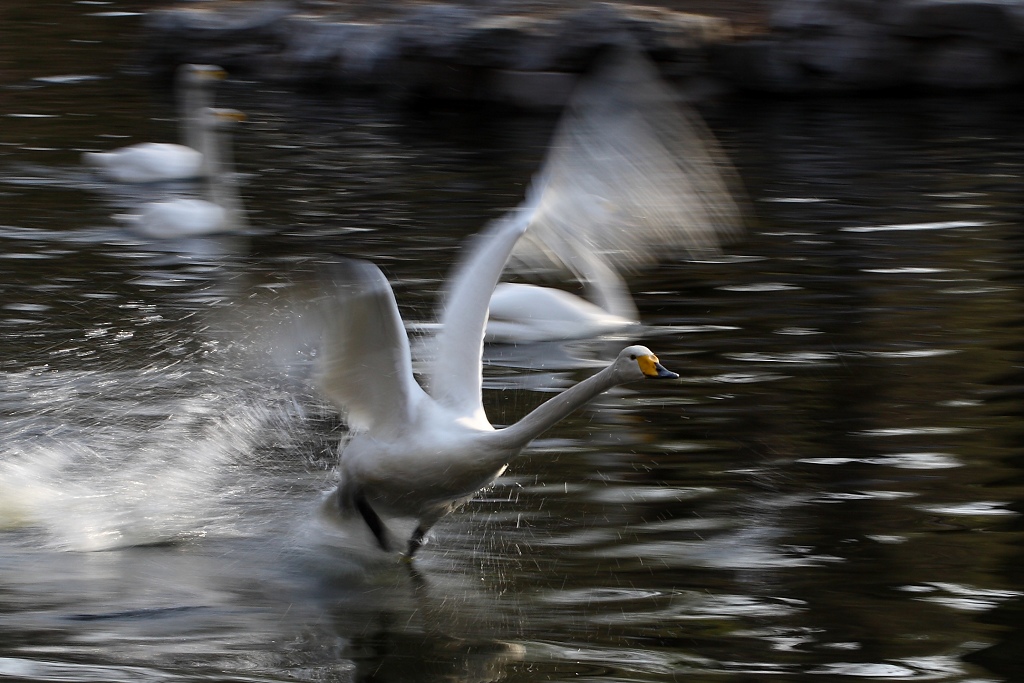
(148, 162)
(221, 210)
(419, 451)
(634, 177)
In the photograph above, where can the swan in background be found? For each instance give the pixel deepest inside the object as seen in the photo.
(221, 210)
(420, 452)
(148, 162)
(632, 177)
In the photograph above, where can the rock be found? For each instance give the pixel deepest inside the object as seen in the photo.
(811, 15)
(358, 53)
(434, 31)
(531, 89)
(529, 55)
(762, 64)
(852, 56)
(508, 42)
(241, 39)
(966, 64)
(443, 50)
(845, 45)
(989, 21)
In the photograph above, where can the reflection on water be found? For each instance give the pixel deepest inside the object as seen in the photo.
(832, 490)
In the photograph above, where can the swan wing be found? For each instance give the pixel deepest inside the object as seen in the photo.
(633, 176)
(456, 371)
(366, 367)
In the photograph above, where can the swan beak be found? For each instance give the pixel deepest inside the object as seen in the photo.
(214, 73)
(652, 369)
(229, 115)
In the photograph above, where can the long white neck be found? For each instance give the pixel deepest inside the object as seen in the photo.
(546, 415)
(605, 287)
(192, 100)
(221, 182)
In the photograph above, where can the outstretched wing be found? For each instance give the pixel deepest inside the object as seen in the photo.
(628, 176)
(366, 369)
(635, 177)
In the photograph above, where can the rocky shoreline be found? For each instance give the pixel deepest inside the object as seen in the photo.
(529, 55)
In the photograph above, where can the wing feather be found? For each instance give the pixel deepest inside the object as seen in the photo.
(627, 176)
(366, 367)
(634, 176)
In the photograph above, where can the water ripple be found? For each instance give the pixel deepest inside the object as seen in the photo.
(973, 509)
(961, 596)
(936, 225)
(40, 670)
(912, 461)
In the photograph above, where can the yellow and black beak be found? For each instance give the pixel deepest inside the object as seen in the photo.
(213, 73)
(652, 369)
(232, 115)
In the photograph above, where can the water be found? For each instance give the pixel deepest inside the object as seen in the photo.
(832, 492)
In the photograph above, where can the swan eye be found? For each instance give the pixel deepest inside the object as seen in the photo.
(632, 356)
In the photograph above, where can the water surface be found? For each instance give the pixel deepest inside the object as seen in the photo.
(831, 492)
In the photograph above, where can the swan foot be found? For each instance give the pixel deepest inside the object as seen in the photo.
(416, 541)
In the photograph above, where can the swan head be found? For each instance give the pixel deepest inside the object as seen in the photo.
(201, 74)
(220, 118)
(639, 362)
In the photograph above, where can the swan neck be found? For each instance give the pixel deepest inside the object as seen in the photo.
(605, 287)
(191, 101)
(221, 184)
(546, 415)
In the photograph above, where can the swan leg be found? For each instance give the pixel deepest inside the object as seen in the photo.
(350, 499)
(426, 522)
(416, 541)
(372, 520)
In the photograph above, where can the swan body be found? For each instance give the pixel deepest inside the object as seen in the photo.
(633, 178)
(522, 312)
(220, 211)
(181, 217)
(149, 162)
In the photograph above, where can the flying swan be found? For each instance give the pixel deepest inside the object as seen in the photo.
(421, 452)
(634, 177)
(149, 162)
(221, 210)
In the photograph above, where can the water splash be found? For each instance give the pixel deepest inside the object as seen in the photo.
(101, 460)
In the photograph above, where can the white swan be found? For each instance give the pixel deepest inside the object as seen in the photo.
(415, 452)
(221, 210)
(633, 178)
(149, 162)
(524, 312)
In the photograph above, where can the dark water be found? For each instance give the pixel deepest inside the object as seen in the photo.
(832, 492)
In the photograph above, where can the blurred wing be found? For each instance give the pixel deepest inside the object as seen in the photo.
(456, 371)
(633, 176)
(366, 369)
